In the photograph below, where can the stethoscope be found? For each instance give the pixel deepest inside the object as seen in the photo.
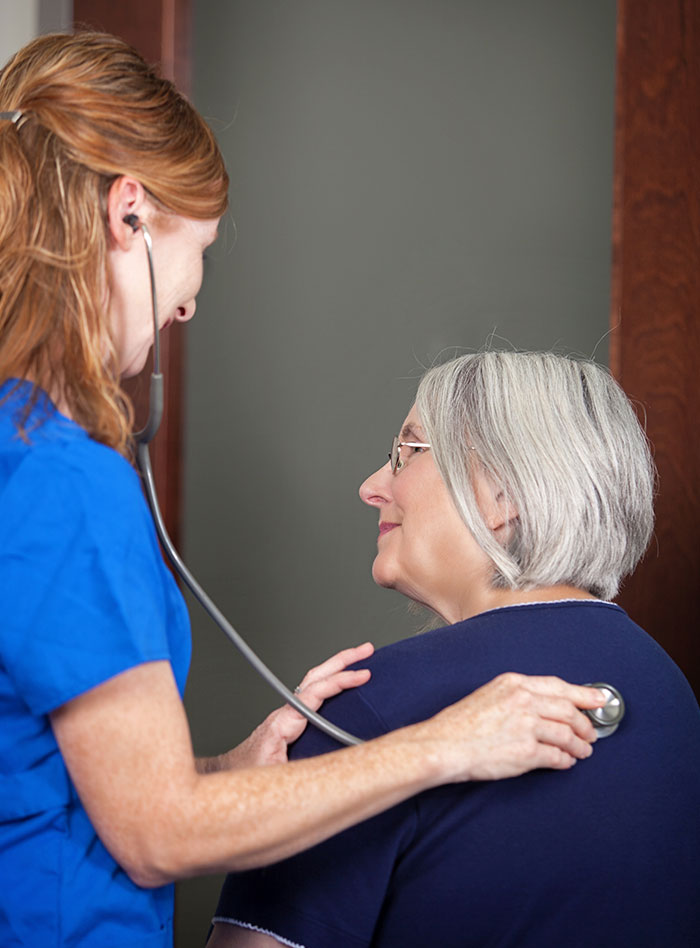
(143, 459)
(606, 719)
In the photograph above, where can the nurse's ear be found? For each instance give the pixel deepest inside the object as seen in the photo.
(126, 200)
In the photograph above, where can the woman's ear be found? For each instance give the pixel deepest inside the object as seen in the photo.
(126, 199)
(498, 511)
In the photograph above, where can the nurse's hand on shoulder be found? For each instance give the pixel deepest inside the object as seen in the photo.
(269, 741)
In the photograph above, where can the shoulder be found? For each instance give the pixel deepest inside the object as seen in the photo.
(580, 641)
(50, 440)
(68, 451)
(59, 463)
(65, 497)
(403, 689)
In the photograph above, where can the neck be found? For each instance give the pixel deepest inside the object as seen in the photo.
(490, 598)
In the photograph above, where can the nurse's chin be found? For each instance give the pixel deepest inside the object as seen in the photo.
(132, 369)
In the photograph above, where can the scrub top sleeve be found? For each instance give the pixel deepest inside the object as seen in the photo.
(81, 595)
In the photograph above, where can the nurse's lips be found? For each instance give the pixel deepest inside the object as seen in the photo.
(385, 526)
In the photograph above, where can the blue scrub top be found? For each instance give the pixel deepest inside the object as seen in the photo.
(84, 595)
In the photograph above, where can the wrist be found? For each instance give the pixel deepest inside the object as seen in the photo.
(424, 761)
(210, 765)
(442, 758)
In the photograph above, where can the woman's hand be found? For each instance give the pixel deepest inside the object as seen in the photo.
(514, 724)
(269, 741)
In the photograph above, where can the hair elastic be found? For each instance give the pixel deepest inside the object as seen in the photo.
(13, 117)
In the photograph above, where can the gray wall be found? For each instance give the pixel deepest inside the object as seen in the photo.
(408, 177)
(22, 20)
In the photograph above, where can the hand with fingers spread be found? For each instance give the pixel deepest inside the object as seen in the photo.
(517, 723)
(269, 741)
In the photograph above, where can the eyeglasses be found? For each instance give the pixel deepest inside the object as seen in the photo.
(395, 454)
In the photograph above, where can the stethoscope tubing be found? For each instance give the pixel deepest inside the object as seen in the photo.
(143, 460)
(212, 610)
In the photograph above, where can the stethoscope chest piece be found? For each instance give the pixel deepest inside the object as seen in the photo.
(606, 720)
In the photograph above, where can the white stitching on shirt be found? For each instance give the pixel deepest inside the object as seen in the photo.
(542, 602)
(255, 928)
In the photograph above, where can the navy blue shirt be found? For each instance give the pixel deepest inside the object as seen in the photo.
(608, 851)
(84, 595)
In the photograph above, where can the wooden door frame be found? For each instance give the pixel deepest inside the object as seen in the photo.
(655, 311)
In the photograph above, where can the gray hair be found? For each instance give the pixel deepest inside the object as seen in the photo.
(560, 439)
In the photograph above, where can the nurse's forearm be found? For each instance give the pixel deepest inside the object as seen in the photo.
(509, 726)
(235, 820)
(127, 747)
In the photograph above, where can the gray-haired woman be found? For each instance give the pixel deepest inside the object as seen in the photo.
(518, 494)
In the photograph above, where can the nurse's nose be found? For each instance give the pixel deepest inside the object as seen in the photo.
(186, 312)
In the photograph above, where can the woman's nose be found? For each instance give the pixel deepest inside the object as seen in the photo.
(376, 490)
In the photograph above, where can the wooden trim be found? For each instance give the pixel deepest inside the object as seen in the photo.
(160, 31)
(655, 318)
